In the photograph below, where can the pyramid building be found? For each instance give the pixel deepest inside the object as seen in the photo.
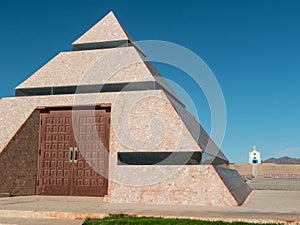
(101, 121)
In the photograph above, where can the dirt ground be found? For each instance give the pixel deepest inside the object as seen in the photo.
(274, 184)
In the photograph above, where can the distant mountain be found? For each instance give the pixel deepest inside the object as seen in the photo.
(283, 160)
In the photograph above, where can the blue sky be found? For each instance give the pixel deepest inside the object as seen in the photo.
(253, 48)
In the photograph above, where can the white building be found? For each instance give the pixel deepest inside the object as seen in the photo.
(254, 156)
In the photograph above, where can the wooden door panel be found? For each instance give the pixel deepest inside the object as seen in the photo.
(54, 174)
(85, 175)
(90, 172)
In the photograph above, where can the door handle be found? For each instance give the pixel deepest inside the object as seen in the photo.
(71, 154)
(75, 155)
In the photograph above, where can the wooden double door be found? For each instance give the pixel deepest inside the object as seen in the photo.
(73, 152)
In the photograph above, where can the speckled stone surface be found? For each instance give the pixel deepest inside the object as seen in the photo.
(117, 65)
(18, 160)
(141, 120)
(108, 29)
(188, 185)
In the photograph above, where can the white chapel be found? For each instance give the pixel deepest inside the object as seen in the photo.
(254, 156)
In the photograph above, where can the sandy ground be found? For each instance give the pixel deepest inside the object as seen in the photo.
(274, 184)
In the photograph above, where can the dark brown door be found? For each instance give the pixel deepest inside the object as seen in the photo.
(73, 156)
(56, 137)
(91, 163)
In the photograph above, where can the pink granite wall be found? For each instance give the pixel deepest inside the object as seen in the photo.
(153, 124)
(188, 185)
(140, 120)
(18, 161)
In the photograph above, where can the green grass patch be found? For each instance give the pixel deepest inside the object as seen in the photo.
(131, 220)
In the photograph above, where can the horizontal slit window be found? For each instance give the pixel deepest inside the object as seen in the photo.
(159, 158)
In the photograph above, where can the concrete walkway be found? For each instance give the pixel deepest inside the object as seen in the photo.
(261, 206)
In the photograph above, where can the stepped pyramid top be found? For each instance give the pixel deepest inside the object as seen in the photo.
(107, 30)
(105, 54)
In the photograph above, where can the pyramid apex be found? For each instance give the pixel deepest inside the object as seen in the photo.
(111, 12)
(106, 33)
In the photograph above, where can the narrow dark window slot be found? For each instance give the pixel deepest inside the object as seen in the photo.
(159, 158)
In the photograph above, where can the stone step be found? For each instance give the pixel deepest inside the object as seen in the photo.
(5, 195)
(35, 221)
(48, 215)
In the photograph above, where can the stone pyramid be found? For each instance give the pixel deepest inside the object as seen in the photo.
(148, 123)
